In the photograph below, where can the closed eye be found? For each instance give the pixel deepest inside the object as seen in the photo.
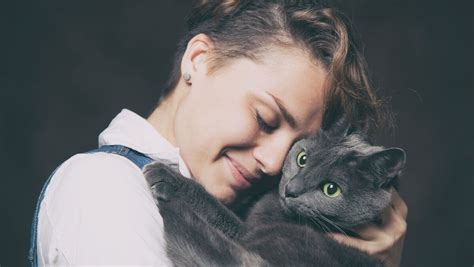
(264, 126)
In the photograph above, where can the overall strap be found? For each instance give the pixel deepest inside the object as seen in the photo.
(139, 159)
(134, 156)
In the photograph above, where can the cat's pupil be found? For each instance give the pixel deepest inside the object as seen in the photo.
(301, 159)
(332, 189)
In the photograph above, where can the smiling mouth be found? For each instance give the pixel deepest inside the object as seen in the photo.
(242, 178)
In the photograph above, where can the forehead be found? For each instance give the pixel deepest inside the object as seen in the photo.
(298, 81)
(290, 75)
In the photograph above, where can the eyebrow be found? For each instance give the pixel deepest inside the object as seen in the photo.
(286, 115)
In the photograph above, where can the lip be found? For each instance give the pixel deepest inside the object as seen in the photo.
(242, 177)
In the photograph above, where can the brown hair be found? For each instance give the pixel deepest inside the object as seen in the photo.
(245, 28)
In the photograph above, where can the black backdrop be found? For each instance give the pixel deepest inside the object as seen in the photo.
(68, 67)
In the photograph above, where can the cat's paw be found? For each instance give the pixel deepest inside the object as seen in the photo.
(163, 180)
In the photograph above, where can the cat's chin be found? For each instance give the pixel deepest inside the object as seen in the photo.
(305, 215)
(281, 188)
(293, 207)
(284, 201)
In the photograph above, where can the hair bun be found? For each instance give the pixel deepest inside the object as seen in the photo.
(204, 10)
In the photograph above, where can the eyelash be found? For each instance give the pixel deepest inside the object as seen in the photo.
(263, 125)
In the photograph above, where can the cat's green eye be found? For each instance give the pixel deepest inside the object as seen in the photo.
(331, 189)
(301, 159)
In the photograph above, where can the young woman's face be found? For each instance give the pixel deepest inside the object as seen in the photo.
(236, 125)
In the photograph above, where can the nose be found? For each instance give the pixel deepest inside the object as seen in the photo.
(271, 155)
(295, 188)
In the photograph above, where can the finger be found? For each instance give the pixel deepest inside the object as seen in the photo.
(391, 232)
(392, 227)
(367, 232)
(394, 224)
(373, 231)
(399, 205)
(356, 243)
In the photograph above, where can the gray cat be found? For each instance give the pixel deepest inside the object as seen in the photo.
(331, 182)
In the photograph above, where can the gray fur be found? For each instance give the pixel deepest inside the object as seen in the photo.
(286, 227)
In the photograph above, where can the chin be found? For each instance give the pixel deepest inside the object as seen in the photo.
(226, 195)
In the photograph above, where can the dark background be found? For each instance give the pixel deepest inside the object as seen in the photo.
(68, 67)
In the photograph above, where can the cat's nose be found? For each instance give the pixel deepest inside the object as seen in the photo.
(294, 188)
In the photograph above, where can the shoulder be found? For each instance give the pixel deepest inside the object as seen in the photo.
(98, 179)
(94, 172)
(100, 207)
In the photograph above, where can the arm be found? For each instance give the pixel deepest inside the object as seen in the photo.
(385, 241)
(100, 211)
(168, 185)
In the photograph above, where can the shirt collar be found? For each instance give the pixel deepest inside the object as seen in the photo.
(131, 130)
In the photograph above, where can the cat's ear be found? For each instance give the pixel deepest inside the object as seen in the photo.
(387, 164)
(341, 128)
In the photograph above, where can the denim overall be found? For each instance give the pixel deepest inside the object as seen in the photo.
(136, 157)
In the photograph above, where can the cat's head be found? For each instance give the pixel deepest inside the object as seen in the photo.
(338, 176)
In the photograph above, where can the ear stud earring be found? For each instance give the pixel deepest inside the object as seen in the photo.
(187, 77)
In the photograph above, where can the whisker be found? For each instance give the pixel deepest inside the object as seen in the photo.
(326, 228)
(333, 224)
(320, 224)
(314, 219)
(323, 226)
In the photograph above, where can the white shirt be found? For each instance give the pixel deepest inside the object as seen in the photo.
(98, 208)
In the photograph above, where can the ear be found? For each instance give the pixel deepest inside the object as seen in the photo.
(341, 127)
(387, 164)
(196, 54)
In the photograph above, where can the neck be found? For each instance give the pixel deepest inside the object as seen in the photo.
(268, 208)
(163, 117)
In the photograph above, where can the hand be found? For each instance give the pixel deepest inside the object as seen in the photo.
(385, 240)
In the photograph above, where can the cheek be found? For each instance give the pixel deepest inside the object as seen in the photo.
(203, 131)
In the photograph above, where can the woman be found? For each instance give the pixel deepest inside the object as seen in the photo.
(250, 79)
